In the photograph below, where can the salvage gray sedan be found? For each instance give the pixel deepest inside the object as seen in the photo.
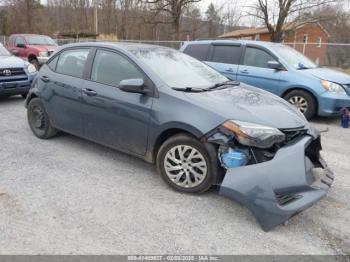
(199, 128)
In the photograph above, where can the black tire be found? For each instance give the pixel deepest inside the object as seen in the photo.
(39, 121)
(24, 95)
(35, 62)
(207, 152)
(300, 95)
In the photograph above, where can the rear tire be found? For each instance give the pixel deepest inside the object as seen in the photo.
(39, 121)
(187, 165)
(304, 101)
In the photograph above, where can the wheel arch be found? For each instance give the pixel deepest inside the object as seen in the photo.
(164, 135)
(304, 90)
(31, 57)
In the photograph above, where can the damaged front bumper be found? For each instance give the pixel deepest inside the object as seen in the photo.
(275, 190)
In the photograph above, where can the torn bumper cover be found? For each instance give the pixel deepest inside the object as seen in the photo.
(277, 189)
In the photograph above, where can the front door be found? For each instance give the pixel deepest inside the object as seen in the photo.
(111, 116)
(254, 70)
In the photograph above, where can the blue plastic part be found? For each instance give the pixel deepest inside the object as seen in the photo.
(234, 158)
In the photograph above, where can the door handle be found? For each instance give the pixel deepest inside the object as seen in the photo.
(229, 70)
(245, 71)
(45, 78)
(89, 92)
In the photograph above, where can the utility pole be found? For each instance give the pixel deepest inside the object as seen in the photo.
(95, 16)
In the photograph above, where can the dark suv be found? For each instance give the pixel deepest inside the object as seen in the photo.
(198, 127)
(16, 75)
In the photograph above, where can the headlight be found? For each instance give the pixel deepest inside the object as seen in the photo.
(250, 134)
(44, 54)
(333, 87)
(31, 69)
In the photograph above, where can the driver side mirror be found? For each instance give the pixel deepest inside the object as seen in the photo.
(133, 86)
(275, 65)
(21, 45)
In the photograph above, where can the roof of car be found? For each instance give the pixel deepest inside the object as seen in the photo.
(229, 41)
(129, 46)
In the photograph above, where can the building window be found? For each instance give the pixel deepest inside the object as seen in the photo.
(318, 41)
(305, 39)
(257, 37)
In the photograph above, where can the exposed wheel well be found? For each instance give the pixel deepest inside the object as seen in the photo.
(304, 90)
(164, 136)
(31, 57)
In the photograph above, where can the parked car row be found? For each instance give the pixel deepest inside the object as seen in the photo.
(19, 63)
(198, 126)
(200, 123)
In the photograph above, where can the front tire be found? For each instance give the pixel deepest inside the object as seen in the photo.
(304, 101)
(186, 164)
(39, 121)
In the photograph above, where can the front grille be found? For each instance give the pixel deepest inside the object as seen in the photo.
(14, 79)
(7, 72)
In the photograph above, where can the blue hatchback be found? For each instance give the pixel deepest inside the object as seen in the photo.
(279, 69)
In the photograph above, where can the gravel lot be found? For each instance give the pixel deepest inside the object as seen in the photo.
(70, 196)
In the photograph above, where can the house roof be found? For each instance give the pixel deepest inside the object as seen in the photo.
(264, 30)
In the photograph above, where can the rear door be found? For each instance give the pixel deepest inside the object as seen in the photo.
(225, 58)
(61, 82)
(111, 116)
(255, 71)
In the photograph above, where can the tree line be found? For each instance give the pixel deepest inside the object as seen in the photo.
(162, 19)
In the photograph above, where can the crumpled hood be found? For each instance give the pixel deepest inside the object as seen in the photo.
(329, 74)
(250, 104)
(12, 62)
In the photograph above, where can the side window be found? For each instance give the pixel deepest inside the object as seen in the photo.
(72, 62)
(257, 57)
(228, 54)
(110, 68)
(199, 52)
(52, 64)
(19, 40)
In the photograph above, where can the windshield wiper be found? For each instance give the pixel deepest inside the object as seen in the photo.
(194, 89)
(188, 89)
(226, 83)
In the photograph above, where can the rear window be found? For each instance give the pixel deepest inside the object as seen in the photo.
(228, 54)
(198, 51)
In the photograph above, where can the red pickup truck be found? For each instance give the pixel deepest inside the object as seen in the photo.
(34, 48)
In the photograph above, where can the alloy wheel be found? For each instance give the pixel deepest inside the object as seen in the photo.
(185, 166)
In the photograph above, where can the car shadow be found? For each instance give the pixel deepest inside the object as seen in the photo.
(10, 99)
(334, 120)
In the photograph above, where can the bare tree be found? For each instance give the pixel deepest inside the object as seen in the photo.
(275, 13)
(175, 9)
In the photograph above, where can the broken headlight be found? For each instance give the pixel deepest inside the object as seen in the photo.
(254, 135)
